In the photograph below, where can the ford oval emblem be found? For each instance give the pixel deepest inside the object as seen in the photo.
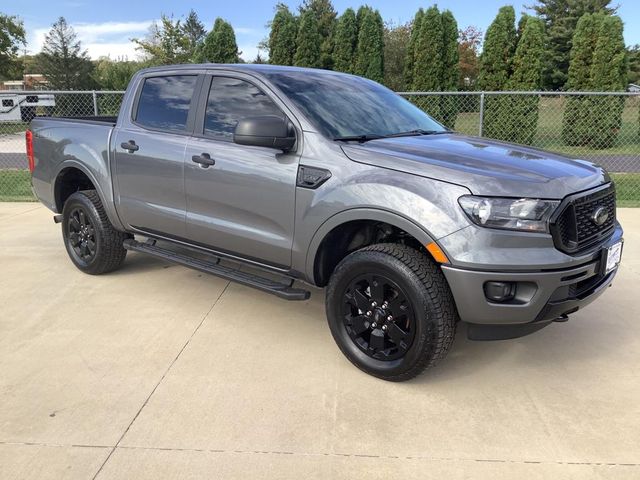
(599, 216)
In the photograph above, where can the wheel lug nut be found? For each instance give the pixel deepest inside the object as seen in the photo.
(369, 313)
(374, 325)
(374, 304)
(384, 328)
(390, 318)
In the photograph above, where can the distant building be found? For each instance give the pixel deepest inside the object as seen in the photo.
(30, 81)
(632, 87)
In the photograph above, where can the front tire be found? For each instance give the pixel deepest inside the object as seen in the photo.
(390, 310)
(93, 245)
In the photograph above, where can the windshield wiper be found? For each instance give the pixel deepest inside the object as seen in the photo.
(358, 138)
(416, 132)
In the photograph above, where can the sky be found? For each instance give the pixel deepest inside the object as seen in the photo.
(105, 28)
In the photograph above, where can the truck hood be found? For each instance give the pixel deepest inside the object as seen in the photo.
(484, 166)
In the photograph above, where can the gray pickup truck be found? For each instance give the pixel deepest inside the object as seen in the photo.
(332, 180)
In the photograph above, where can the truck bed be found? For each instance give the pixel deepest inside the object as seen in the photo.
(101, 119)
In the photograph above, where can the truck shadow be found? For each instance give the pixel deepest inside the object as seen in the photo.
(592, 333)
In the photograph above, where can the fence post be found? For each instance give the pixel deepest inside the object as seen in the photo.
(95, 103)
(481, 114)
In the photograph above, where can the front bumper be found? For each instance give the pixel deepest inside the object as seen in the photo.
(541, 296)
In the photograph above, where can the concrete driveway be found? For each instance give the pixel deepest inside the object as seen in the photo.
(157, 371)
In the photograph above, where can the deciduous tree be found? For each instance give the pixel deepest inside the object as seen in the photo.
(12, 37)
(166, 43)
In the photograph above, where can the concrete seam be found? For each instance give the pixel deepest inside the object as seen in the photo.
(335, 454)
(144, 404)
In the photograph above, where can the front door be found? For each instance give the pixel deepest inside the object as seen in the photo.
(244, 203)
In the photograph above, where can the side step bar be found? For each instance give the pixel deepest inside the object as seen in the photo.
(281, 290)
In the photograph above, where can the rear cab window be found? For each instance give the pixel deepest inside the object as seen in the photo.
(165, 101)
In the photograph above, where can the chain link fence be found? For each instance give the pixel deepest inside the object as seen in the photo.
(601, 127)
(18, 108)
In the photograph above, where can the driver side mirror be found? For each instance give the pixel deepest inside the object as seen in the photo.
(265, 131)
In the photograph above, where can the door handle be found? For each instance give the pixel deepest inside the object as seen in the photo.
(204, 160)
(130, 146)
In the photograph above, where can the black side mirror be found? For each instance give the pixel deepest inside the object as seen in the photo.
(265, 131)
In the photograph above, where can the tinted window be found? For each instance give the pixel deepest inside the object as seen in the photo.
(164, 102)
(230, 100)
(345, 105)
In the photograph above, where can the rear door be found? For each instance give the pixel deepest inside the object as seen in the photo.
(149, 148)
(245, 203)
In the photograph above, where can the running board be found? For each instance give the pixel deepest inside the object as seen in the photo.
(278, 289)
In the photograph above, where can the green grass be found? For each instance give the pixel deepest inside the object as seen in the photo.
(15, 186)
(627, 189)
(549, 132)
(11, 128)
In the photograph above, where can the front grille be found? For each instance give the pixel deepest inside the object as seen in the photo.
(574, 229)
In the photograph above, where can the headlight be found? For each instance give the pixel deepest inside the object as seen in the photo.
(525, 214)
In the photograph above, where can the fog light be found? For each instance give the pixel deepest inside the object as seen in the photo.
(499, 291)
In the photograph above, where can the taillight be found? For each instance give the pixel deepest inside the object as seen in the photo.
(29, 138)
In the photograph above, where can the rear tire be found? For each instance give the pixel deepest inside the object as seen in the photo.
(390, 310)
(93, 245)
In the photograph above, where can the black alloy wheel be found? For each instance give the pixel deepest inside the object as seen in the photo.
(81, 235)
(378, 317)
(93, 245)
(390, 311)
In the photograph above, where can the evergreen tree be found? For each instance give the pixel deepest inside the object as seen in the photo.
(308, 42)
(282, 37)
(450, 69)
(608, 74)
(220, 44)
(561, 18)
(633, 54)
(325, 15)
(428, 61)
(527, 75)
(361, 13)
(577, 119)
(63, 61)
(411, 48)
(495, 70)
(370, 51)
(497, 53)
(346, 42)
(195, 33)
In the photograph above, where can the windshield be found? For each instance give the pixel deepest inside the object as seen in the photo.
(350, 106)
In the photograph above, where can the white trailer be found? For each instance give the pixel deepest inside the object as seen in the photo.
(22, 107)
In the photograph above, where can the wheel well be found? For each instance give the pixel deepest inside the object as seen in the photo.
(351, 236)
(69, 181)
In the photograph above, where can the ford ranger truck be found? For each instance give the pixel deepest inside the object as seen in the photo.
(332, 180)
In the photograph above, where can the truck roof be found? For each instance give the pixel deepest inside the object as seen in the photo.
(243, 67)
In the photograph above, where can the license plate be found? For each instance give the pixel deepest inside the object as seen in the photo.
(613, 256)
